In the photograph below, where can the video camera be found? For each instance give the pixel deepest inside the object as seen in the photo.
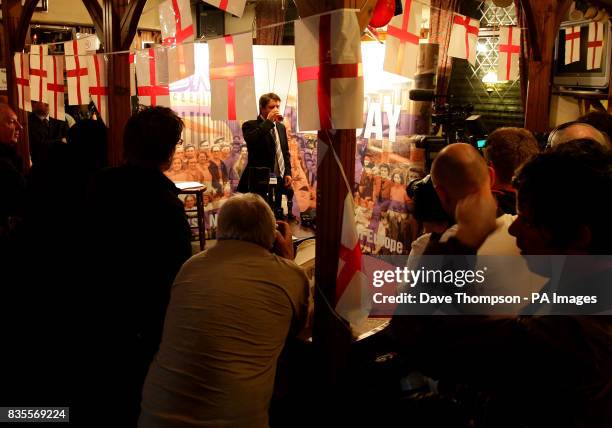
(427, 205)
(457, 122)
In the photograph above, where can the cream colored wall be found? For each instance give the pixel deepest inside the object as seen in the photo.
(563, 109)
(64, 12)
(150, 15)
(73, 12)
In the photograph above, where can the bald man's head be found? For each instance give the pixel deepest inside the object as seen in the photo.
(458, 171)
(10, 127)
(576, 131)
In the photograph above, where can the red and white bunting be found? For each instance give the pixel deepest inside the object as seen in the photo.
(595, 46)
(98, 84)
(175, 21)
(235, 7)
(55, 86)
(132, 60)
(509, 53)
(232, 81)
(152, 74)
(329, 71)
(181, 62)
(572, 44)
(76, 72)
(22, 79)
(464, 38)
(353, 301)
(38, 73)
(402, 43)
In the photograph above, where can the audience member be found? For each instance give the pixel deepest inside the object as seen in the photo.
(565, 361)
(573, 131)
(12, 184)
(600, 120)
(141, 237)
(507, 149)
(232, 309)
(44, 131)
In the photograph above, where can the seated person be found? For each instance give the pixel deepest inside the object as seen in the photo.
(232, 309)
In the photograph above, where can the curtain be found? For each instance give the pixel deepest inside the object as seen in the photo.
(268, 12)
(441, 23)
(524, 57)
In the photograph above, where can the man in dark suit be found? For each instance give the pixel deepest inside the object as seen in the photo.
(267, 145)
(44, 131)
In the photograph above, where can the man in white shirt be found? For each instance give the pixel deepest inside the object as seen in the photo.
(231, 310)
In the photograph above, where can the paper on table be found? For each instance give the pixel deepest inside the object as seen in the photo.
(182, 185)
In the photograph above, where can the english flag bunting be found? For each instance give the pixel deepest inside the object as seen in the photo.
(38, 73)
(329, 71)
(232, 81)
(175, 21)
(152, 75)
(177, 28)
(572, 44)
(55, 86)
(132, 61)
(595, 45)
(76, 72)
(464, 38)
(98, 85)
(235, 7)
(353, 302)
(402, 44)
(509, 53)
(22, 79)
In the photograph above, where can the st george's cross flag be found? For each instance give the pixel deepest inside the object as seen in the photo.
(77, 74)
(572, 44)
(353, 302)
(232, 78)
(98, 84)
(55, 86)
(235, 7)
(132, 62)
(177, 33)
(329, 71)
(38, 73)
(402, 43)
(464, 38)
(595, 45)
(22, 79)
(152, 75)
(509, 54)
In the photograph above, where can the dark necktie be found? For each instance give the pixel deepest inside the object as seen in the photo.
(46, 122)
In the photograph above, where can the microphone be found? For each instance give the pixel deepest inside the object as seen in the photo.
(422, 95)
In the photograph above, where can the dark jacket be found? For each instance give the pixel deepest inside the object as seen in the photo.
(43, 136)
(556, 369)
(262, 147)
(12, 184)
(140, 238)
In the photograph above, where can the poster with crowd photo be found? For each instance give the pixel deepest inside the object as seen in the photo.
(214, 153)
(386, 161)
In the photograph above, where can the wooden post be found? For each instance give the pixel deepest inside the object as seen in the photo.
(16, 19)
(120, 20)
(425, 79)
(543, 20)
(331, 336)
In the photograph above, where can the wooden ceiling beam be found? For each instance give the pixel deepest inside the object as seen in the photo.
(95, 12)
(129, 22)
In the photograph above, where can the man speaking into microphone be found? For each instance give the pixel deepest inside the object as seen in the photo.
(266, 139)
